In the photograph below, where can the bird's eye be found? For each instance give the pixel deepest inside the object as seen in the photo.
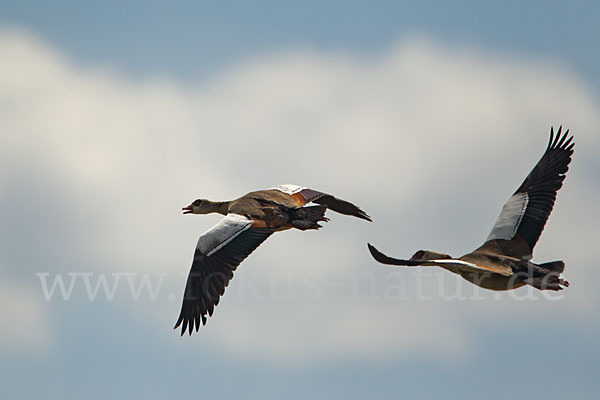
(197, 202)
(419, 254)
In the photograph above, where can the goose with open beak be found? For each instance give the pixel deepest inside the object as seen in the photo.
(503, 261)
(247, 222)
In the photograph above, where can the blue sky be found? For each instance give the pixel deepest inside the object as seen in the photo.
(191, 39)
(428, 115)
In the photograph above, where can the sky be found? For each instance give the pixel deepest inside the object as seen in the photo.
(428, 115)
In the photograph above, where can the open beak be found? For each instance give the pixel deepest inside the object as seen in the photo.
(187, 210)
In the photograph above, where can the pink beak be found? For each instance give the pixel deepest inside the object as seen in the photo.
(187, 210)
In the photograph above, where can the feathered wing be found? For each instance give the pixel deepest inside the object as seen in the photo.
(306, 195)
(524, 215)
(218, 253)
(444, 263)
(341, 206)
(382, 258)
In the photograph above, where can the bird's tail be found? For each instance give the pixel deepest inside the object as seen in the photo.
(556, 266)
(546, 276)
(308, 217)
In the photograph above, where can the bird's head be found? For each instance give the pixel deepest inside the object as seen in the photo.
(199, 206)
(425, 255)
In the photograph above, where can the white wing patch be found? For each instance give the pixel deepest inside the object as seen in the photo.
(508, 222)
(289, 189)
(222, 233)
(461, 264)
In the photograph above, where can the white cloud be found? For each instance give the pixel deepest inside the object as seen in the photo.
(431, 141)
(25, 326)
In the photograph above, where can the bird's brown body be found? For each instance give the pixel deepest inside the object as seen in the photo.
(268, 208)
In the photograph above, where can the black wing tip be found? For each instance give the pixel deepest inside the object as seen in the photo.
(560, 140)
(358, 213)
(378, 256)
(188, 323)
(178, 323)
(364, 215)
(383, 259)
(374, 252)
(341, 206)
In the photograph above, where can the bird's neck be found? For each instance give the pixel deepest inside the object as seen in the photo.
(221, 207)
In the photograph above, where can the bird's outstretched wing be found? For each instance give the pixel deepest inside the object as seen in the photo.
(218, 253)
(305, 195)
(450, 263)
(444, 263)
(524, 215)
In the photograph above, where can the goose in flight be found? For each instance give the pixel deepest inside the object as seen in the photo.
(248, 222)
(503, 261)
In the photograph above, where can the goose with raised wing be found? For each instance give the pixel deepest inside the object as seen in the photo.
(503, 262)
(248, 222)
